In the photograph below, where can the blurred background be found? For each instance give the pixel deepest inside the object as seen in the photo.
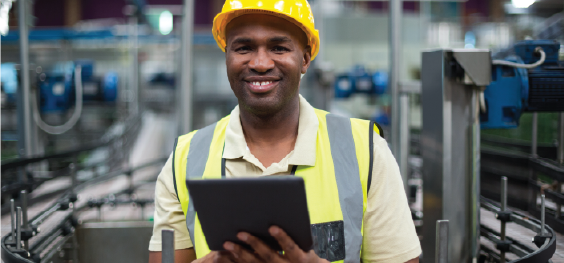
(95, 93)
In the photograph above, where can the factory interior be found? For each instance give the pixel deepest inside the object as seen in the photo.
(469, 95)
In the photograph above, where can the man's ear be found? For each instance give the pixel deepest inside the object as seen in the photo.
(306, 59)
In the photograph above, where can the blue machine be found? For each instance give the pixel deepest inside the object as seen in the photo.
(9, 78)
(110, 86)
(515, 90)
(57, 88)
(54, 94)
(358, 80)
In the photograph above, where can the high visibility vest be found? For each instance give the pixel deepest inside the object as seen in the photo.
(336, 187)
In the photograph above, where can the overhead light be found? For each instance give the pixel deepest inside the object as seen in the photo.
(522, 3)
(165, 22)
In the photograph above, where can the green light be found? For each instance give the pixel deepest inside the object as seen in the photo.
(165, 22)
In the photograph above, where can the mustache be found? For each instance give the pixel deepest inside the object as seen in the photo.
(258, 74)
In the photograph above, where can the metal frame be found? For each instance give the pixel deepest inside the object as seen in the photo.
(185, 89)
(450, 148)
(24, 107)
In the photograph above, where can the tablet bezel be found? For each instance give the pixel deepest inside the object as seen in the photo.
(230, 205)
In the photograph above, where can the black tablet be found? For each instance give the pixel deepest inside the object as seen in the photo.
(226, 207)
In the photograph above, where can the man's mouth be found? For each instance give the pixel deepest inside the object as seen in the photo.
(261, 86)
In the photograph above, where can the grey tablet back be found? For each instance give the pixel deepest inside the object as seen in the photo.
(228, 206)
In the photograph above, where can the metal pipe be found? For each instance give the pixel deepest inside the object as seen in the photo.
(13, 219)
(54, 250)
(167, 246)
(503, 204)
(534, 134)
(561, 139)
(558, 211)
(185, 99)
(395, 50)
(73, 173)
(404, 139)
(37, 220)
(24, 75)
(134, 57)
(23, 196)
(74, 183)
(542, 214)
(47, 241)
(18, 228)
(441, 243)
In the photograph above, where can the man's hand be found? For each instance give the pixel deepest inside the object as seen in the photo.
(216, 257)
(263, 253)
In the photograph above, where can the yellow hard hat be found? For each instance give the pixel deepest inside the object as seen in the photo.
(295, 11)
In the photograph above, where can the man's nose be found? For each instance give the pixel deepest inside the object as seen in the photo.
(261, 62)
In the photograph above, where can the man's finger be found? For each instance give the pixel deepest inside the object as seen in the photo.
(291, 250)
(239, 253)
(264, 252)
(223, 257)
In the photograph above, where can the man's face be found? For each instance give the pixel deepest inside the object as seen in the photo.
(265, 57)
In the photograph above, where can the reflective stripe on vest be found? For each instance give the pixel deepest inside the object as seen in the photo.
(350, 191)
(336, 186)
(196, 165)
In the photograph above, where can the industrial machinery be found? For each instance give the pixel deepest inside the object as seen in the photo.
(9, 80)
(462, 91)
(532, 80)
(359, 80)
(58, 88)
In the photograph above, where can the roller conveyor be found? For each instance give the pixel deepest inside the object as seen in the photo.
(122, 195)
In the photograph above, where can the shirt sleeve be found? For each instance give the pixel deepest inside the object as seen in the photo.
(389, 232)
(168, 212)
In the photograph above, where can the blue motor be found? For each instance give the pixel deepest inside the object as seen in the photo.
(57, 88)
(358, 80)
(516, 90)
(55, 93)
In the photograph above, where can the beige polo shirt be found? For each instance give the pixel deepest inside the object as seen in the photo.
(389, 233)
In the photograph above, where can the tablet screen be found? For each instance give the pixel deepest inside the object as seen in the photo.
(226, 207)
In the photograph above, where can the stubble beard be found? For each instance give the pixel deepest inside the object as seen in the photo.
(271, 104)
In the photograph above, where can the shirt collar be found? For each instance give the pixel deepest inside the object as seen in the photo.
(304, 151)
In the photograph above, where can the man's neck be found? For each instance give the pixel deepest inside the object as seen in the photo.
(271, 138)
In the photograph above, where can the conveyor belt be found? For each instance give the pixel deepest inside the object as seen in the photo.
(148, 153)
(518, 233)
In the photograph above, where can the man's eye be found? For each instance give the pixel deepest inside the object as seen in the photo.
(243, 48)
(279, 49)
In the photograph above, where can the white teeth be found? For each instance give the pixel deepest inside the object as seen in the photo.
(256, 83)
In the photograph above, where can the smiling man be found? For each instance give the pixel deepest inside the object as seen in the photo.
(357, 204)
